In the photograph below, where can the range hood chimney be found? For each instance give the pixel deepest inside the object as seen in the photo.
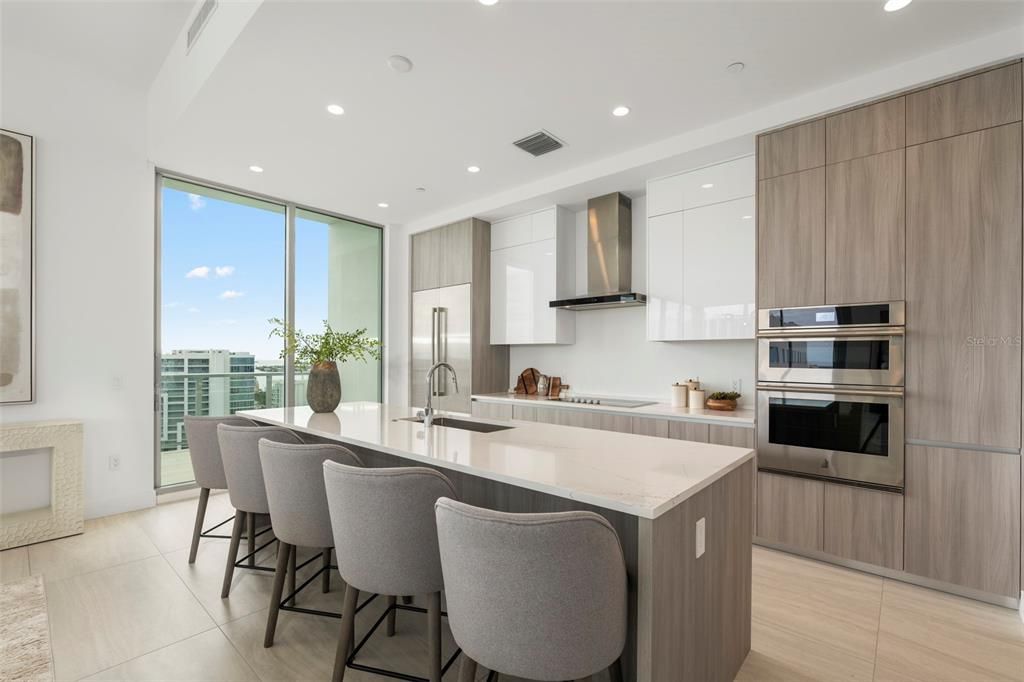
(609, 256)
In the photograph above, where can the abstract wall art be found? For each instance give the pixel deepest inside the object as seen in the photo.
(17, 218)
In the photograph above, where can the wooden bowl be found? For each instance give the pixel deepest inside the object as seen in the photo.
(723, 405)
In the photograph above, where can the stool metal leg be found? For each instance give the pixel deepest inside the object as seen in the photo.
(347, 634)
(252, 539)
(391, 616)
(283, 552)
(467, 670)
(292, 572)
(327, 570)
(434, 635)
(204, 498)
(236, 538)
(615, 670)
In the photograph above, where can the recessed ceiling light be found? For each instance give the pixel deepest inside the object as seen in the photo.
(256, 169)
(488, 2)
(421, 189)
(707, 185)
(399, 63)
(895, 5)
(620, 111)
(473, 169)
(736, 67)
(747, 217)
(335, 109)
(382, 204)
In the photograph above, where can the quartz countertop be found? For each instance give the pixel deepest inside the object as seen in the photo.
(741, 417)
(639, 475)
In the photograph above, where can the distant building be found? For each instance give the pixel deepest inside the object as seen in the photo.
(185, 390)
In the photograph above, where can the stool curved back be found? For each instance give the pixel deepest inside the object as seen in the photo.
(204, 449)
(239, 448)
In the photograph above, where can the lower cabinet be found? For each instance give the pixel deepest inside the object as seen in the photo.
(492, 410)
(790, 511)
(570, 417)
(736, 436)
(694, 431)
(963, 518)
(864, 525)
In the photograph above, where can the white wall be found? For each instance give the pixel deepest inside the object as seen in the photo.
(612, 356)
(396, 313)
(94, 268)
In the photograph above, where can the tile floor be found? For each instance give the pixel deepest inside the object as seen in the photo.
(125, 605)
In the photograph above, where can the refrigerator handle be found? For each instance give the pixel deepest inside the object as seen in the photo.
(442, 315)
(433, 336)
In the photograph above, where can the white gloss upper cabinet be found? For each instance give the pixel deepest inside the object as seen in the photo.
(718, 271)
(532, 264)
(701, 256)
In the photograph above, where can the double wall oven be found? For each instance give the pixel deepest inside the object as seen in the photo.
(830, 392)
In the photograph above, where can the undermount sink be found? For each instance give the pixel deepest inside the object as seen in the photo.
(463, 424)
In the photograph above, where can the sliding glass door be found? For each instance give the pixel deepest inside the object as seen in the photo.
(224, 270)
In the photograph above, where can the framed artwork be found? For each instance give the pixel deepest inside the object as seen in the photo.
(17, 267)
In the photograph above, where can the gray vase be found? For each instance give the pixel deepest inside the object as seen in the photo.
(323, 392)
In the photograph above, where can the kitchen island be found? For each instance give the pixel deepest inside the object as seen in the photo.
(689, 609)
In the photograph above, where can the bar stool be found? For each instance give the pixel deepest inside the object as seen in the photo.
(386, 543)
(204, 450)
(294, 477)
(239, 449)
(539, 596)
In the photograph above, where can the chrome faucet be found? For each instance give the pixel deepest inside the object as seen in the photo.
(428, 412)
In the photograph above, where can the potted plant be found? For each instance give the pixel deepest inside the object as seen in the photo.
(322, 352)
(722, 400)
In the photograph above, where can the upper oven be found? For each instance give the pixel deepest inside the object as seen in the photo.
(843, 344)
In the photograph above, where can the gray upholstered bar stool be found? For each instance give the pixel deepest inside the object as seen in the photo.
(240, 452)
(204, 450)
(294, 475)
(538, 596)
(386, 543)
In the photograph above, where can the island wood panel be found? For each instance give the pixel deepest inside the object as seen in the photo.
(963, 518)
(865, 229)
(492, 410)
(983, 100)
(864, 525)
(695, 431)
(871, 129)
(694, 613)
(490, 362)
(963, 373)
(791, 240)
(790, 510)
(791, 149)
(650, 426)
(736, 436)
(425, 249)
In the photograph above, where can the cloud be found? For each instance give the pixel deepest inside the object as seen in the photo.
(192, 310)
(224, 270)
(226, 322)
(196, 202)
(230, 294)
(172, 304)
(201, 272)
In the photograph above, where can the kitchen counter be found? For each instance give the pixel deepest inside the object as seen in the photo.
(741, 417)
(586, 465)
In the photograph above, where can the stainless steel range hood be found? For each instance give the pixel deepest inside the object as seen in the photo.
(609, 256)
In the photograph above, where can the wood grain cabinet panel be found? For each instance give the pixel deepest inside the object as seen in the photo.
(694, 431)
(963, 518)
(985, 100)
(963, 380)
(457, 253)
(426, 260)
(736, 436)
(650, 426)
(492, 410)
(790, 510)
(792, 149)
(791, 240)
(864, 525)
(872, 129)
(865, 231)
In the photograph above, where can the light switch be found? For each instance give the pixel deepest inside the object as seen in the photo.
(700, 537)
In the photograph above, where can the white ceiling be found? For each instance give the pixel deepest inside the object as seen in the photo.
(127, 40)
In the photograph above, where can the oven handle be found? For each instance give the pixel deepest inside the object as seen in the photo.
(830, 332)
(830, 388)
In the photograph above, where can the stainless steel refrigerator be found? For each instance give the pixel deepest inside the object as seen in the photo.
(441, 332)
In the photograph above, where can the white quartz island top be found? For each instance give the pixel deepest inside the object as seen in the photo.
(639, 475)
(741, 417)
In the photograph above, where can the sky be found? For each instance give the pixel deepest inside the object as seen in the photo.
(222, 274)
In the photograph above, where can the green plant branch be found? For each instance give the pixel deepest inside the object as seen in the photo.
(328, 346)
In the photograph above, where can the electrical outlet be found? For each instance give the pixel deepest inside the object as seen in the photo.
(700, 536)
(737, 385)
(114, 462)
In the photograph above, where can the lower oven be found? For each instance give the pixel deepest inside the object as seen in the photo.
(852, 434)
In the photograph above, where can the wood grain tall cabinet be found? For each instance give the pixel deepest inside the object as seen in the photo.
(452, 263)
(916, 197)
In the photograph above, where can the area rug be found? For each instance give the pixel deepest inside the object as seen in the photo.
(24, 631)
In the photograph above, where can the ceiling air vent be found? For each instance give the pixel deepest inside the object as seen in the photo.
(539, 143)
(200, 21)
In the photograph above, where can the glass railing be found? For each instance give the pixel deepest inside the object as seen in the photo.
(213, 395)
